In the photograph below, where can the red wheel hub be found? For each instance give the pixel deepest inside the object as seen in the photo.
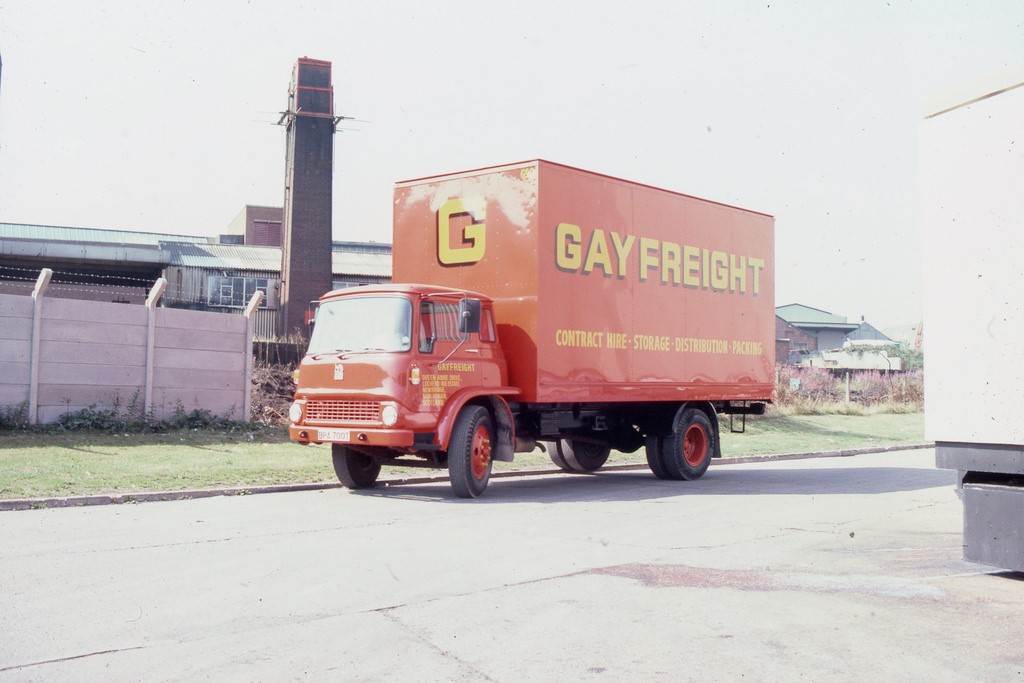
(481, 458)
(695, 445)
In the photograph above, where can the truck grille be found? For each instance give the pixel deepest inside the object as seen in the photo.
(342, 411)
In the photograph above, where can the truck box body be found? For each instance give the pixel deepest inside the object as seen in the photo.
(605, 290)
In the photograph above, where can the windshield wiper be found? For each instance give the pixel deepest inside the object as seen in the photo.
(341, 353)
(365, 349)
(335, 352)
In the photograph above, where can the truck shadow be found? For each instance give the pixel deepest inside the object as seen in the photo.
(642, 485)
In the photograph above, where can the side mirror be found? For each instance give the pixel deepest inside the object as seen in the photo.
(469, 316)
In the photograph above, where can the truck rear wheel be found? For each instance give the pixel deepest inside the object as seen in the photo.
(354, 470)
(555, 453)
(686, 453)
(654, 458)
(580, 456)
(469, 452)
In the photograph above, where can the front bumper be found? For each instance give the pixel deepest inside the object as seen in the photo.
(358, 436)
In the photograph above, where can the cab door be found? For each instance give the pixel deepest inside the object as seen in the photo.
(451, 360)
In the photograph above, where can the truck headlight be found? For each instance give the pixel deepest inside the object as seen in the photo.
(389, 415)
(295, 412)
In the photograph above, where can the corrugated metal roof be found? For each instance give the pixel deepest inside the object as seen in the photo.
(56, 233)
(223, 256)
(241, 257)
(843, 327)
(361, 263)
(799, 313)
(868, 331)
(348, 258)
(368, 247)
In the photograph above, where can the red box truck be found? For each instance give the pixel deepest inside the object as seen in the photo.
(535, 302)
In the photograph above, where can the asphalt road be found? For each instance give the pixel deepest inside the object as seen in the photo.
(828, 569)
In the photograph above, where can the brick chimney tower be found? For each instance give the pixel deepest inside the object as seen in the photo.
(309, 168)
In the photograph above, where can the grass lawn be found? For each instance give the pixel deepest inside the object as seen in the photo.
(812, 433)
(34, 465)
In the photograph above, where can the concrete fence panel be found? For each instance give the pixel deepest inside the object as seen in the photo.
(15, 349)
(199, 362)
(77, 341)
(63, 355)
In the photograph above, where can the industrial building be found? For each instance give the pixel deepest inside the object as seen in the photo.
(203, 273)
(802, 332)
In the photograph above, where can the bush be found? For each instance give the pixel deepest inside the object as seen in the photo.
(869, 387)
(115, 420)
(14, 417)
(272, 392)
(816, 390)
(913, 359)
(805, 390)
(908, 387)
(123, 421)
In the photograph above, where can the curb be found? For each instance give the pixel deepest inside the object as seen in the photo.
(147, 497)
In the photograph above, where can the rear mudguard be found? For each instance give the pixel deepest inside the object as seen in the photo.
(712, 414)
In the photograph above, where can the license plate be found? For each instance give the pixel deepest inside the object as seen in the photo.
(334, 435)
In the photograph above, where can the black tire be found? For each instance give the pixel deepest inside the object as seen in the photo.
(555, 453)
(469, 452)
(354, 470)
(582, 456)
(654, 459)
(686, 453)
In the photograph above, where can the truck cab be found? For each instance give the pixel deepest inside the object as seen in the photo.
(405, 375)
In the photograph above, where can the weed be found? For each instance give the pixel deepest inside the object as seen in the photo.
(113, 420)
(14, 417)
(817, 391)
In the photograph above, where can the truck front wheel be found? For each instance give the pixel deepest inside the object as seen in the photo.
(686, 453)
(580, 456)
(354, 470)
(469, 452)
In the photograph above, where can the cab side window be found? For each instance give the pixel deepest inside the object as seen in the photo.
(426, 344)
(438, 322)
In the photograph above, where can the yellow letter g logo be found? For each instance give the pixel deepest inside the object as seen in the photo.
(473, 234)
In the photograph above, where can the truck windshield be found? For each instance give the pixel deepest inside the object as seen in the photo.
(365, 323)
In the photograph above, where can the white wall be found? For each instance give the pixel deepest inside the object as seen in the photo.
(972, 188)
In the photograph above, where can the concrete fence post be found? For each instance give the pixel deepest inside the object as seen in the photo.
(250, 322)
(151, 302)
(42, 282)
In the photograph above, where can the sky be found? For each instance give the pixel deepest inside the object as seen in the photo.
(160, 116)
